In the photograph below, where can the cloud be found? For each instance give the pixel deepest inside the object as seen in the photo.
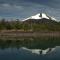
(26, 8)
(10, 6)
(6, 9)
(51, 3)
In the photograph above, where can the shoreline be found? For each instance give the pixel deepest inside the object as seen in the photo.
(18, 33)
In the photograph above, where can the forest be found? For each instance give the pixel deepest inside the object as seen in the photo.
(24, 26)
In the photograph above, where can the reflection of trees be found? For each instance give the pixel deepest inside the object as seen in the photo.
(31, 43)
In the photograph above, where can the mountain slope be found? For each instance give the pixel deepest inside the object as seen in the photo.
(40, 18)
(41, 22)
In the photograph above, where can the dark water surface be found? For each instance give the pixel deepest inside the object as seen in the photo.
(43, 48)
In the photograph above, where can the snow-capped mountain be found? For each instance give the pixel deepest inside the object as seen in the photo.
(40, 16)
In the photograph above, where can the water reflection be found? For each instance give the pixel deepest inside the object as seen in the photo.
(47, 48)
(39, 51)
(31, 43)
(29, 54)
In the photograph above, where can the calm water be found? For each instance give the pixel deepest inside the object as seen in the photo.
(30, 49)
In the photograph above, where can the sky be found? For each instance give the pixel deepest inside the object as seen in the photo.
(22, 9)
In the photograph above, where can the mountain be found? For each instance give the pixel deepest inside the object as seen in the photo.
(40, 18)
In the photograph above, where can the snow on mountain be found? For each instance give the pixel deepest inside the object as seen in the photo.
(37, 16)
(53, 18)
(40, 16)
(44, 16)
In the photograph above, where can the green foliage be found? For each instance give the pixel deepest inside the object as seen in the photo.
(26, 27)
(18, 25)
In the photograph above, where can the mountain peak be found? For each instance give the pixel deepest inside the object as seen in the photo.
(40, 16)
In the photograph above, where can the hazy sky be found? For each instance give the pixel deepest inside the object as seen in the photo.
(25, 8)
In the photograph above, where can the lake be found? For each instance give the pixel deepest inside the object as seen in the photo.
(31, 48)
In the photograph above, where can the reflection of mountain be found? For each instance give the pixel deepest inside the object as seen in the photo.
(26, 54)
(39, 51)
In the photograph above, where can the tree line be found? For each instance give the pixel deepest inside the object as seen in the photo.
(19, 25)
